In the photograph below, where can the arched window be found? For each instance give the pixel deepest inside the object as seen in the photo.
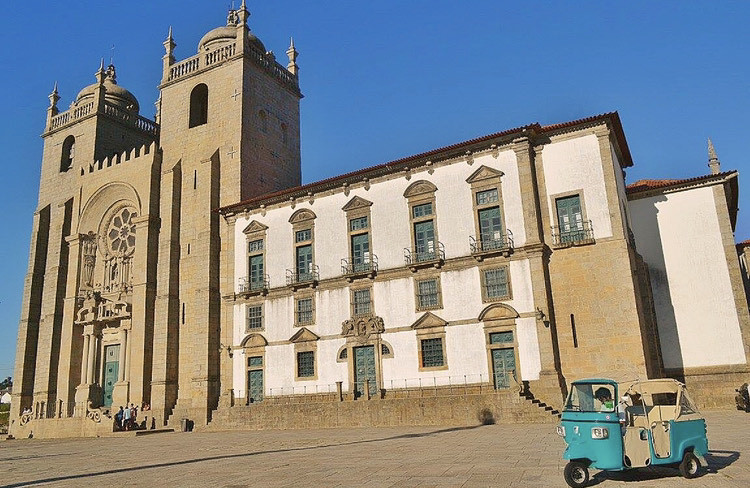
(199, 105)
(68, 153)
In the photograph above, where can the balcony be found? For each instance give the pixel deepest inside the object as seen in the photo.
(491, 244)
(253, 286)
(353, 268)
(297, 280)
(576, 235)
(424, 257)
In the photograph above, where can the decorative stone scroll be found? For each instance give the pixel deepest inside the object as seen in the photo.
(362, 327)
(93, 414)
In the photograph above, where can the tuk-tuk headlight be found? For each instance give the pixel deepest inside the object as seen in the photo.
(599, 433)
(561, 431)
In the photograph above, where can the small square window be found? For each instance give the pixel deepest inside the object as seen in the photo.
(432, 352)
(427, 294)
(496, 283)
(255, 246)
(501, 337)
(359, 223)
(305, 311)
(303, 235)
(255, 361)
(422, 210)
(361, 302)
(255, 317)
(305, 364)
(487, 196)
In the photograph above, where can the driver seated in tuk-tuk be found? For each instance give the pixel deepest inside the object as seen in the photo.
(605, 398)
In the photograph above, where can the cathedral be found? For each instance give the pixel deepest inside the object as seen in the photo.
(179, 262)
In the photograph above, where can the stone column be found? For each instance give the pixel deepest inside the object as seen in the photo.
(72, 336)
(121, 358)
(92, 343)
(227, 308)
(529, 195)
(126, 366)
(85, 359)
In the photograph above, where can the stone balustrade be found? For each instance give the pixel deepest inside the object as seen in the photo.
(71, 115)
(224, 52)
(130, 118)
(184, 68)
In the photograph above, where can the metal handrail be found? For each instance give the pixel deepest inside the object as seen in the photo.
(489, 243)
(350, 266)
(415, 256)
(295, 278)
(579, 233)
(247, 285)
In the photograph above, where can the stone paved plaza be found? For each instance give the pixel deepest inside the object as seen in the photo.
(494, 455)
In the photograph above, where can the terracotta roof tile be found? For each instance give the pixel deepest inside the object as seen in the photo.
(648, 184)
(377, 170)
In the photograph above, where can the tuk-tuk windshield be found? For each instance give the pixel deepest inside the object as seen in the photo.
(591, 397)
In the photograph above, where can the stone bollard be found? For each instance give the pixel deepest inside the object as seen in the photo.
(340, 390)
(367, 388)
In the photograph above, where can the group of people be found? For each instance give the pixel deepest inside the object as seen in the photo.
(127, 418)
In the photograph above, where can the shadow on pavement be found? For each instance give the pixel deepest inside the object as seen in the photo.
(717, 460)
(234, 456)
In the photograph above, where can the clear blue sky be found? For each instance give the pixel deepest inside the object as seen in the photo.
(387, 79)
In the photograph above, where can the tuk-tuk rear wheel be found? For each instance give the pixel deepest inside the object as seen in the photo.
(690, 465)
(576, 474)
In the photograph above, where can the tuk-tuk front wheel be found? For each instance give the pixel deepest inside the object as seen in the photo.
(576, 474)
(690, 465)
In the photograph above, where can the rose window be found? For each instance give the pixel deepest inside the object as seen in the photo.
(121, 232)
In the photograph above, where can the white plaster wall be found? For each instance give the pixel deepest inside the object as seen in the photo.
(576, 164)
(678, 236)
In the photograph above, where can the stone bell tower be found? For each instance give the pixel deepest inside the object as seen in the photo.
(229, 119)
(86, 283)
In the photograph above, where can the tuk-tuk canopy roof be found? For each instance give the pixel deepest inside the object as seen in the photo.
(662, 385)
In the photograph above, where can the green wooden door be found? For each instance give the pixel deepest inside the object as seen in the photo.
(364, 369)
(503, 367)
(255, 380)
(570, 218)
(360, 251)
(111, 369)
(490, 228)
(424, 240)
(304, 263)
(256, 272)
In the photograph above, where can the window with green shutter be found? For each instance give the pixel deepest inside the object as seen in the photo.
(432, 352)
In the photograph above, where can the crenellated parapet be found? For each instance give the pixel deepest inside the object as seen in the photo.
(126, 156)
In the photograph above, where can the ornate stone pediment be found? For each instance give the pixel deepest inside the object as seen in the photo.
(304, 335)
(419, 188)
(498, 311)
(428, 320)
(254, 227)
(362, 327)
(356, 203)
(484, 173)
(254, 340)
(302, 215)
(95, 308)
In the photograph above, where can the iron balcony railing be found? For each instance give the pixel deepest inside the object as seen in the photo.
(358, 265)
(498, 241)
(569, 235)
(427, 254)
(250, 285)
(297, 278)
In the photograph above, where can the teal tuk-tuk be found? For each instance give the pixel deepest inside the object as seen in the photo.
(654, 423)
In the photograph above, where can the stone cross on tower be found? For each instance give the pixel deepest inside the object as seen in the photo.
(713, 160)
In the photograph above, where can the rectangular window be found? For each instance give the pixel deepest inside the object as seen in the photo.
(358, 223)
(569, 216)
(303, 235)
(487, 196)
(255, 317)
(361, 302)
(256, 272)
(305, 364)
(305, 311)
(427, 294)
(432, 352)
(422, 210)
(496, 283)
(255, 361)
(501, 337)
(255, 246)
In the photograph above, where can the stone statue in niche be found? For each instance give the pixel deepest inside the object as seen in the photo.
(88, 259)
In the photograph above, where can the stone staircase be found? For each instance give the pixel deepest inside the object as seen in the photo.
(419, 407)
